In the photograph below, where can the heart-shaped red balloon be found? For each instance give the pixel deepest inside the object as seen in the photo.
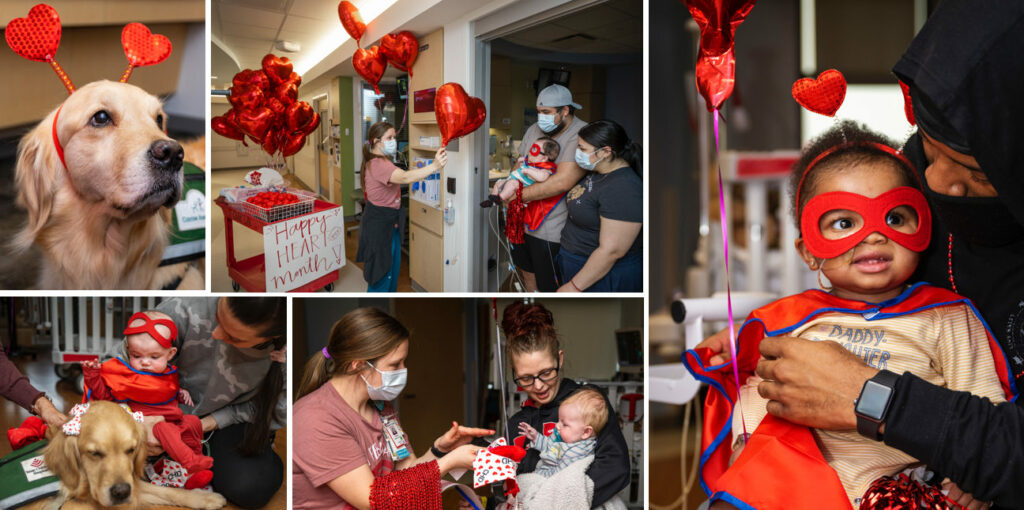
(716, 60)
(272, 141)
(256, 122)
(252, 78)
(278, 69)
(401, 50)
(311, 126)
(351, 20)
(370, 64)
(245, 98)
(37, 36)
(295, 78)
(824, 95)
(225, 126)
(287, 92)
(142, 47)
(292, 144)
(457, 113)
(277, 106)
(297, 115)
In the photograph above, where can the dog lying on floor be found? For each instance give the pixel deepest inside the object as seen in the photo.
(98, 177)
(102, 466)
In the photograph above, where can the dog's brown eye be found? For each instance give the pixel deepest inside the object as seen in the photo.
(100, 119)
(98, 455)
(130, 451)
(160, 121)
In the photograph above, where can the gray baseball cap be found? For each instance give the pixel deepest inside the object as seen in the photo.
(556, 96)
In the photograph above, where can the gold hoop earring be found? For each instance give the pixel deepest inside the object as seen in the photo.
(822, 285)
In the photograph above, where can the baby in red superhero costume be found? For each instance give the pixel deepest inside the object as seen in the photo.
(148, 383)
(537, 167)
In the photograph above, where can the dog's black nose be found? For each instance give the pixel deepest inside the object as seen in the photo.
(120, 491)
(167, 154)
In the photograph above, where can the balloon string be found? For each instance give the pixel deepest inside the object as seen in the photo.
(728, 289)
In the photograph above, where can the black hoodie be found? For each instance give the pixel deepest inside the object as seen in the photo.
(968, 62)
(610, 469)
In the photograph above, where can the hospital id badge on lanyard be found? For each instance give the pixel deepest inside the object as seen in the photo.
(393, 434)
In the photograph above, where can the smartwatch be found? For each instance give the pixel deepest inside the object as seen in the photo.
(872, 405)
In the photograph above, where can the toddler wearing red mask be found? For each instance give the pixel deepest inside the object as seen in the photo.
(863, 222)
(148, 383)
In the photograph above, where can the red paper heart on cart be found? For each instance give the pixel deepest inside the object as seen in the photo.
(908, 106)
(401, 50)
(457, 112)
(298, 115)
(351, 20)
(256, 122)
(37, 36)
(142, 47)
(824, 95)
(370, 64)
(278, 69)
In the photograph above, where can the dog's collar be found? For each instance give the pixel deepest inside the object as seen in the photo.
(56, 141)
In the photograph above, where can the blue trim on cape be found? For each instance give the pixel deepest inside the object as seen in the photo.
(545, 216)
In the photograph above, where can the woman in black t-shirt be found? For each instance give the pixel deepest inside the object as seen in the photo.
(602, 250)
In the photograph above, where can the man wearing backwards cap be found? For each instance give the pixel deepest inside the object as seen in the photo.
(546, 212)
(965, 74)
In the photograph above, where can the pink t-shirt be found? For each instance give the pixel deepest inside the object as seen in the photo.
(379, 188)
(331, 439)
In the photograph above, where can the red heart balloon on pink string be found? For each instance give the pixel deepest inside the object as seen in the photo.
(716, 58)
(370, 64)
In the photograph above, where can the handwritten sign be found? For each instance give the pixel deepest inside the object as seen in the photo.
(302, 249)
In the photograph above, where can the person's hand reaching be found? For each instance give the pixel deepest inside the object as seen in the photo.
(528, 431)
(185, 397)
(153, 446)
(719, 344)
(459, 435)
(93, 364)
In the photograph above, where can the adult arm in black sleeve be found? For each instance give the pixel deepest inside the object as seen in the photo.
(610, 469)
(978, 445)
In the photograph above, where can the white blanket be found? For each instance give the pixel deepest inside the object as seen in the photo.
(569, 489)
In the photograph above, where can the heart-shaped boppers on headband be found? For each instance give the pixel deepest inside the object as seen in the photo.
(37, 37)
(869, 215)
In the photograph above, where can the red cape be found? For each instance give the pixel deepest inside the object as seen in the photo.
(781, 465)
(538, 210)
(129, 385)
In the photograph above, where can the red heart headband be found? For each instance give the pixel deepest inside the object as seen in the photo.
(37, 38)
(149, 326)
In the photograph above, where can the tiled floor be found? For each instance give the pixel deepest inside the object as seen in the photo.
(41, 373)
(248, 243)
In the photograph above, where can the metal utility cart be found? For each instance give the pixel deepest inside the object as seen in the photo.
(250, 273)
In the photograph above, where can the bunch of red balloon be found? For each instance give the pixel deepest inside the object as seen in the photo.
(265, 107)
(399, 49)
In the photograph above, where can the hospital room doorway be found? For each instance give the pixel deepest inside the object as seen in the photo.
(593, 48)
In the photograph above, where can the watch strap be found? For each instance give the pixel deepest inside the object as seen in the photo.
(868, 426)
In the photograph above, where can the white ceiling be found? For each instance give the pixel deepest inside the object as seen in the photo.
(613, 27)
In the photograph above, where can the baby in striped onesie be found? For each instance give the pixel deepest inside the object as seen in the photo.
(581, 417)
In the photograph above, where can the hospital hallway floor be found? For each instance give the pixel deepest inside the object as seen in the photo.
(41, 374)
(248, 243)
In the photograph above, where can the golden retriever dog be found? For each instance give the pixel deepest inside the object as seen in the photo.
(102, 466)
(101, 221)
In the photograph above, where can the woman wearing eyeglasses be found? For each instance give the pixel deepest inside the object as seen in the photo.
(536, 360)
(349, 448)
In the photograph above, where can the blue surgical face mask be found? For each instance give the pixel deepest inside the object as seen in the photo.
(583, 160)
(392, 383)
(546, 122)
(390, 147)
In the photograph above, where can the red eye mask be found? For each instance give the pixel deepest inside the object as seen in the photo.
(535, 149)
(149, 327)
(873, 212)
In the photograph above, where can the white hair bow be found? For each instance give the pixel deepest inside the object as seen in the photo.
(74, 426)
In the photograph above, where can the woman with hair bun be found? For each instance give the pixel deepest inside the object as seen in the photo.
(349, 449)
(601, 248)
(536, 361)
